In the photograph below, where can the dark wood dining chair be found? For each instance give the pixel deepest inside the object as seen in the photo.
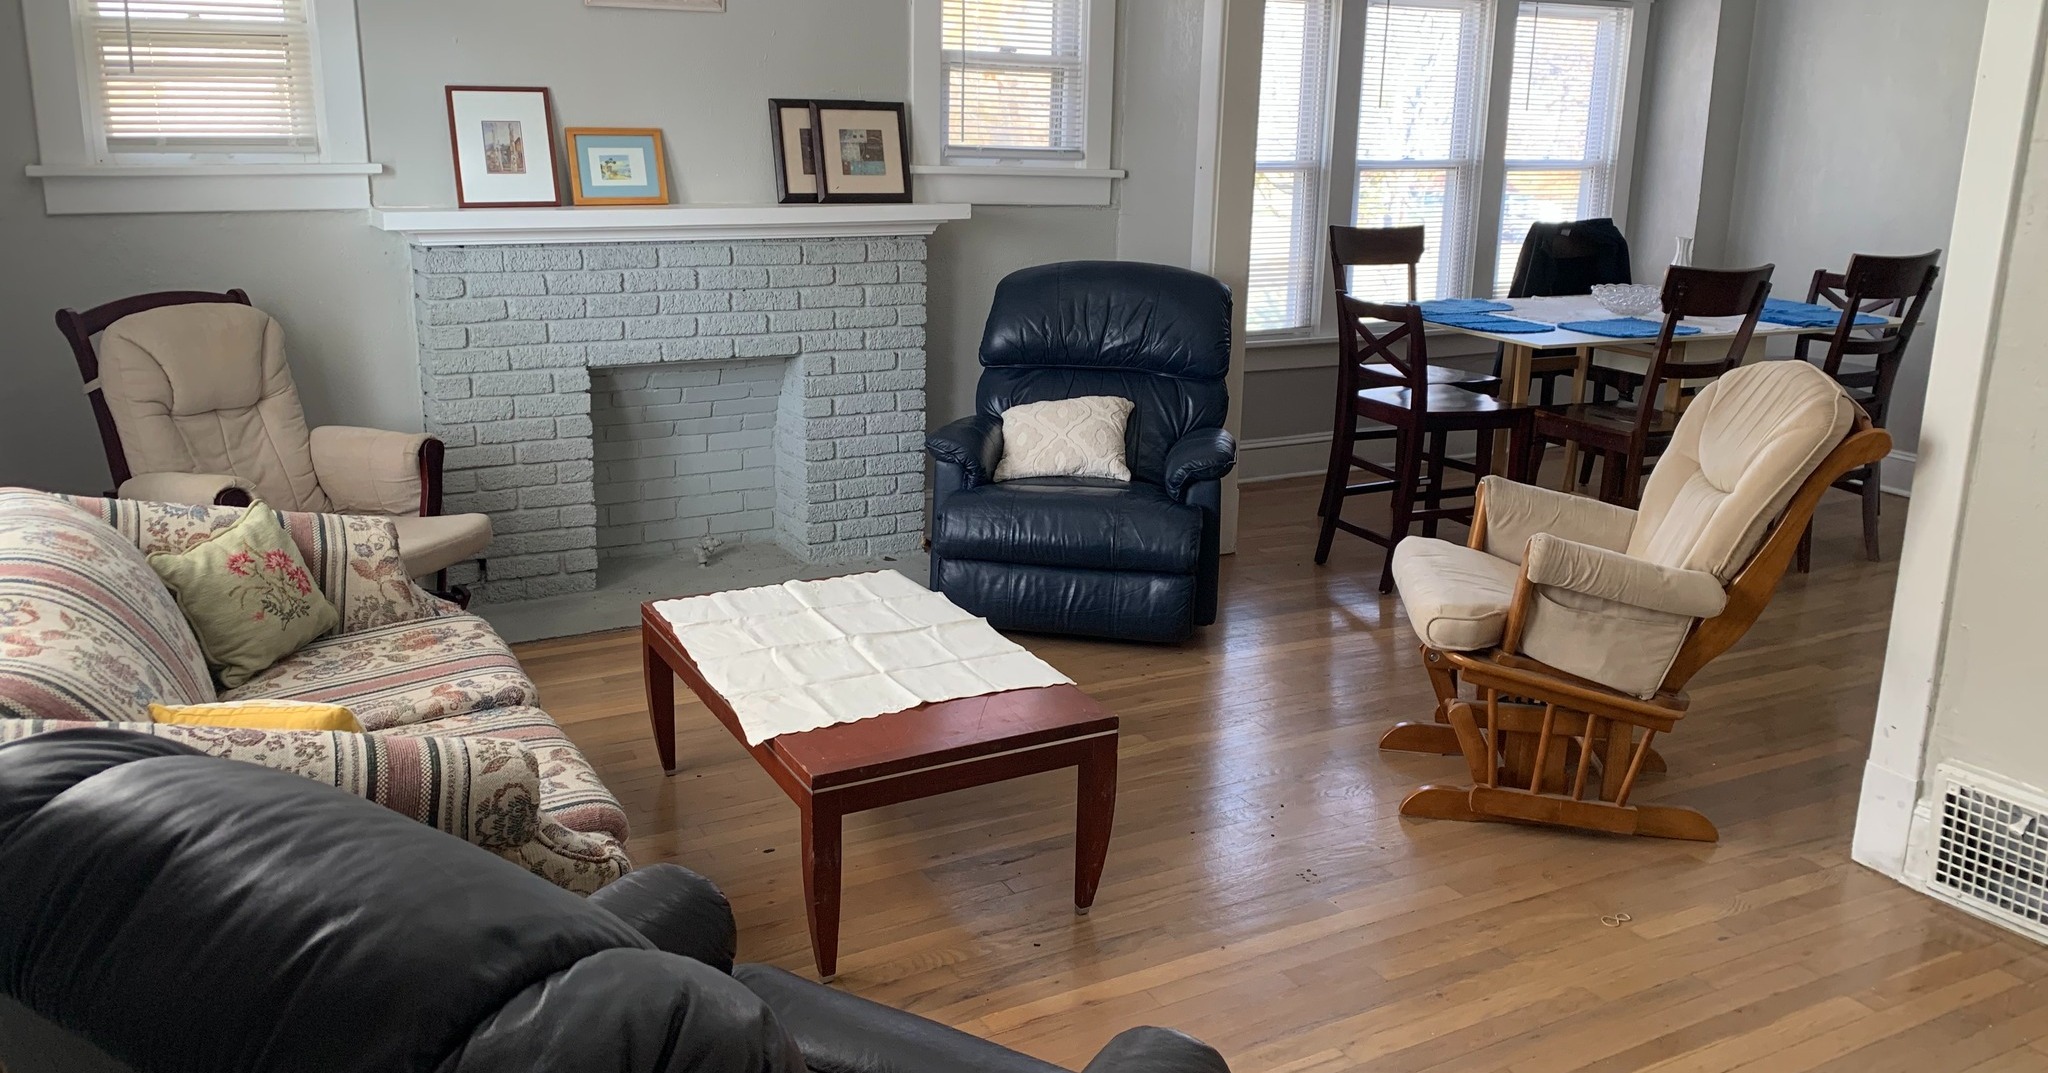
(1891, 286)
(1390, 247)
(1559, 259)
(1392, 336)
(1624, 433)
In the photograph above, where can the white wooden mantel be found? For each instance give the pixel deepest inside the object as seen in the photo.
(662, 223)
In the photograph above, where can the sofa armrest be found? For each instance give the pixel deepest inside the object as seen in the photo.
(1515, 512)
(1157, 1050)
(1556, 562)
(497, 804)
(1206, 454)
(204, 489)
(678, 910)
(370, 470)
(975, 444)
(841, 1032)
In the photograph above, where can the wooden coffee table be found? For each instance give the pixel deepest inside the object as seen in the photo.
(904, 756)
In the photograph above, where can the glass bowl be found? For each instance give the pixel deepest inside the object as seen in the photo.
(1629, 299)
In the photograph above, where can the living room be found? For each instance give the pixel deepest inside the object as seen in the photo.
(941, 393)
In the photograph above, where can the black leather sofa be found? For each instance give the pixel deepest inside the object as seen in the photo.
(1082, 555)
(166, 911)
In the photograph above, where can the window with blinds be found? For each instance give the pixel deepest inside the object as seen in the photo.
(1015, 77)
(200, 76)
(1289, 207)
(1422, 88)
(1564, 120)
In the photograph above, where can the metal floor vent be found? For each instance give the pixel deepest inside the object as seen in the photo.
(1991, 851)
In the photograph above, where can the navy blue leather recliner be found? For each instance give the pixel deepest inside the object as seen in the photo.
(1084, 555)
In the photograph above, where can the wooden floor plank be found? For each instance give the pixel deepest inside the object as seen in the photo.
(1263, 893)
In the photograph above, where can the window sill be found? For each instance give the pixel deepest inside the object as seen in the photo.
(87, 189)
(1015, 184)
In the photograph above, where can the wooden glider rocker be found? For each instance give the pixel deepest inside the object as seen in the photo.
(1577, 623)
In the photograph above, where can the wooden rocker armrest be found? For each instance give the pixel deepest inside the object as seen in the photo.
(375, 471)
(1514, 512)
(204, 489)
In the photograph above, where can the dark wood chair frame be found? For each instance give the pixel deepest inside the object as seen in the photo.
(1419, 412)
(1688, 292)
(1550, 364)
(1532, 733)
(79, 329)
(1895, 287)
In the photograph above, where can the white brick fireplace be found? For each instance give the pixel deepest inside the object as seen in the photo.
(622, 382)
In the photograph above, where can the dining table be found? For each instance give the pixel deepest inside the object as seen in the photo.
(1519, 349)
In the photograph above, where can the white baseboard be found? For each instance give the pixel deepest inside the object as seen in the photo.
(1277, 458)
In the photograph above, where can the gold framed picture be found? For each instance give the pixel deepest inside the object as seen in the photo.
(616, 166)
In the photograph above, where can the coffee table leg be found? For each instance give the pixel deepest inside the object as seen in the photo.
(821, 882)
(1095, 813)
(661, 706)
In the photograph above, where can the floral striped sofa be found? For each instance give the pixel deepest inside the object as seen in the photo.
(90, 636)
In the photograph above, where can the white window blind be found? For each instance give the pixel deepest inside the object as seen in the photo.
(1289, 209)
(1422, 97)
(200, 76)
(1015, 77)
(1564, 119)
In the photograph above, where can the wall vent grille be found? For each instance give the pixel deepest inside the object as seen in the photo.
(1991, 851)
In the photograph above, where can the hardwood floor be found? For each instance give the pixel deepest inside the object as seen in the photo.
(1263, 894)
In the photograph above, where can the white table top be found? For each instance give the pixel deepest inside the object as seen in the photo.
(1557, 310)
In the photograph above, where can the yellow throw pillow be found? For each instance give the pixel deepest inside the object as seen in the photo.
(259, 715)
(248, 596)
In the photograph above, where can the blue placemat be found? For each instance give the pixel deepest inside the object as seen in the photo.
(1487, 322)
(1625, 328)
(1802, 315)
(1451, 307)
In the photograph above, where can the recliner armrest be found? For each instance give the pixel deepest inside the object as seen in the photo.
(203, 489)
(1609, 575)
(677, 910)
(1516, 511)
(1206, 454)
(841, 1032)
(370, 470)
(1157, 1050)
(975, 444)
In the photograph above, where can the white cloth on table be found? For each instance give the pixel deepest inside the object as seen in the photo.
(808, 654)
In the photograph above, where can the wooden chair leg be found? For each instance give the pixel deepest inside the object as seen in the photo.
(1407, 470)
(1805, 556)
(1413, 736)
(1334, 479)
(1873, 497)
(1585, 467)
(1439, 447)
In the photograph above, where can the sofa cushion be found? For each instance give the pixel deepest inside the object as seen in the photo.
(87, 631)
(407, 672)
(1456, 597)
(259, 714)
(570, 791)
(354, 558)
(1071, 522)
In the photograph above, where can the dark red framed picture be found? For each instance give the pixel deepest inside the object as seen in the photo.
(503, 139)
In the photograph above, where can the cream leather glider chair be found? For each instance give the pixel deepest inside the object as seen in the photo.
(1571, 624)
(195, 404)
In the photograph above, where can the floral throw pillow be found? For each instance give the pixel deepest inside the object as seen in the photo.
(248, 596)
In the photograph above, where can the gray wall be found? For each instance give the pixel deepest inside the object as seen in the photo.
(342, 289)
(1852, 141)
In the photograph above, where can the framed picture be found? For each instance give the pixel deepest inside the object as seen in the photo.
(796, 152)
(616, 166)
(504, 143)
(862, 149)
(661, 5)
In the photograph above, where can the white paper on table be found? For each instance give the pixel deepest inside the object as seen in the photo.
(808, 654)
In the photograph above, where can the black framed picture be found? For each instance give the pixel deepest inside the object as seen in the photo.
(862, 150)
(796, 152)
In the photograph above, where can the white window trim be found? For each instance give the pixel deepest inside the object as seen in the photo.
(75, 181)
(999, 181)
(1492, 157)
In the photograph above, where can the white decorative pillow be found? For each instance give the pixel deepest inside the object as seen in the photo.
(1081, 437)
